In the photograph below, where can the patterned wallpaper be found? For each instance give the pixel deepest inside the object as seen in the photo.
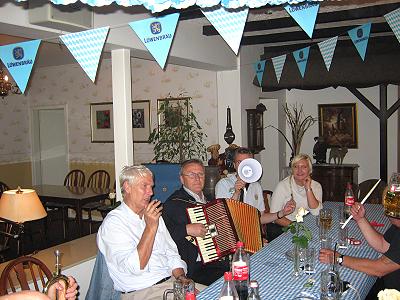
(68, 85)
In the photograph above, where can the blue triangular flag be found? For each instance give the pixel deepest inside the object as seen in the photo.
(86, 46)
(229, 23)
(157, 35)
(393, 19)
(305, 15)
(360, 36)
(301, 57)
(259, 67)
(327, 48)
(279, 62)
(19, 59)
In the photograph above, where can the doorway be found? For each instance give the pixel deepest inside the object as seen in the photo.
(49, 146)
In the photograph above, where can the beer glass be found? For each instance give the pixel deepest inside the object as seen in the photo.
(180, 289)
(330, 285)
(325, 218)
(391, 201)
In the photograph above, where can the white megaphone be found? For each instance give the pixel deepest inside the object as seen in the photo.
(249, 170)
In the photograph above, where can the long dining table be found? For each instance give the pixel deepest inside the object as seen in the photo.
(74, 196)
(274, 272)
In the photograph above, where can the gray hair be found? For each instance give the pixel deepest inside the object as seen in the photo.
(132, 174)
(300, 157)
(189, 162)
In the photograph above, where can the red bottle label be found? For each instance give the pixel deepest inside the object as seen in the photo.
(349, 200)
(240, 271)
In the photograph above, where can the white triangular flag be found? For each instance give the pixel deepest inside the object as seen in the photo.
(393, 19)
(278, 63)
(327, 48)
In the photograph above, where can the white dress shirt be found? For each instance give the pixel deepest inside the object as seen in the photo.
(225, 188)
(282, 193)
(118, 238)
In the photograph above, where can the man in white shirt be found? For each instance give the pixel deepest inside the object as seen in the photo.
(232, 186)
(140, 254)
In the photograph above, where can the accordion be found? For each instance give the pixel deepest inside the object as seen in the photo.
(228, 221)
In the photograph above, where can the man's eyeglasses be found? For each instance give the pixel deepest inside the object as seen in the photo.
(195, 175)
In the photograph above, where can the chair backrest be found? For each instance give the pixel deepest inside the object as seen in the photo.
(3, 187)
(75, 178)
(376, 195)
(267, 194)
(23, 269)
(99, 179)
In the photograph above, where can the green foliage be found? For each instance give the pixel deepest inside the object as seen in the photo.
(301, 234)
(179, 136)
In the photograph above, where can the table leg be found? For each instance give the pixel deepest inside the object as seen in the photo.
(79, 218)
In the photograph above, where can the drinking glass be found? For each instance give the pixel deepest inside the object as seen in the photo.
(330, 285)
(325, 218)
(309, 265)
(176, 291)
(326, 243)
(342, 237)
(342, 215)
(323, 233)
(391, 202)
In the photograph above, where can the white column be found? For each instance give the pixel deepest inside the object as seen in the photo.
(122, 108)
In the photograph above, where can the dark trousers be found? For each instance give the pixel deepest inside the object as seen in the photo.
(207, 274)
(373, 293)
(273, 231)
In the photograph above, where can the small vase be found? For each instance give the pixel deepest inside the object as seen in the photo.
(296, 260)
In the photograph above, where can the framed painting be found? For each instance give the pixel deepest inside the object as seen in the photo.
(101, 122)
(338, 124)
(173, 114)
(141, 121)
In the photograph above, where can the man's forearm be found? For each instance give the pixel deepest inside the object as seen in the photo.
(145, 246)
(374, 238)
(283, 222)
(379, 267)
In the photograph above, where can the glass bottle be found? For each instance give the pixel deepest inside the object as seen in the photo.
(228, 291)
(348, 200)
(254, 294)
(241, 270)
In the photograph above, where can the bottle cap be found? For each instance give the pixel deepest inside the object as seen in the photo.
(253, 284)
(349, 185)
(190, 296)
(228, 276)
(239, 244)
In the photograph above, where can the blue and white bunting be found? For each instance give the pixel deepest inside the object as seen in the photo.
(157, 35)
(229, 23)
(360, 37)
(19, 59)
(259, 67)
(305, 14)
(301, 57)
(86, 47)
(327, 48)
(393, 19)
(279, 62)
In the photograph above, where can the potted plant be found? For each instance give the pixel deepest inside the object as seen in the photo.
(178, 136)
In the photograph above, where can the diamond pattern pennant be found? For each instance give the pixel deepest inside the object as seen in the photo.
(279, 62)
(86, 47)
(229, 23)
(327, 48)
(393, 19)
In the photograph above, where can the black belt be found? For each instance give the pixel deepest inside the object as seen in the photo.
(158, 282)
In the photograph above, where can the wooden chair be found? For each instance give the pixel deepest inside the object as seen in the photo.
(23, 269)
(98, 179)
(73, 178)
(376, 196)
(105, 209)
(9, 230)
(3, 187)
(267, 195)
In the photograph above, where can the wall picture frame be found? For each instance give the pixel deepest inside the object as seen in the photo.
(338, 124)
(141, 121)
(101, 122)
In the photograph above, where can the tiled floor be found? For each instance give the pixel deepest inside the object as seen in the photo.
(37, 238)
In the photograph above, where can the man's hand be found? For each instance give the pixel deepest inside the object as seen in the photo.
(196, 229)
(239, 185)
(326, 256)
(289, 207)
(58, 287)
(152, 213)
(358, 211)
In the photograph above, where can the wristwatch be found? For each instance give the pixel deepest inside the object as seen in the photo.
(340, 259)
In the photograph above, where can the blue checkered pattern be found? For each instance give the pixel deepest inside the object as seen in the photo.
(229, 23)
(327, 49)
(393, 19)
(278, 63)
(274, 272)
(86, 47)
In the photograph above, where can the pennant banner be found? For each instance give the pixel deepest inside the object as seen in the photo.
(157, 35)
(327, 48)
(305, 15)
(259, 67)
(360, 36)
(229, 23)
(301, 57)
(19, 59)
(393, 19)
(86, 47)
(279, 62)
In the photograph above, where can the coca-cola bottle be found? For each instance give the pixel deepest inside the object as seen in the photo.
(241, 271)
(254, 294)
(348, 200)
(190, 296)
(228, 291)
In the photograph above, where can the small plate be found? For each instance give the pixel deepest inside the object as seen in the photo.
(306, 296)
